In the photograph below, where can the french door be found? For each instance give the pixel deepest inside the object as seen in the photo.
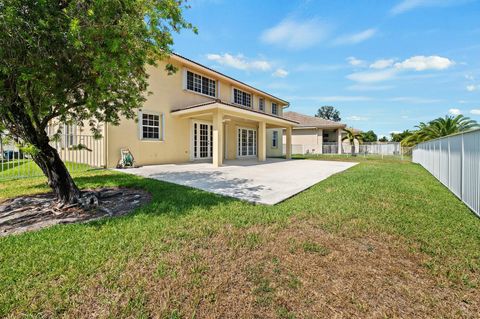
(246, 142)
(202, 140)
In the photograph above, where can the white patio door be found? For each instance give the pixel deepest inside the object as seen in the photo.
(246, 142)
(202, 140)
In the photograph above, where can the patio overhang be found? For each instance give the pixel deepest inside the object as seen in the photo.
(219, 113)
(209, 108)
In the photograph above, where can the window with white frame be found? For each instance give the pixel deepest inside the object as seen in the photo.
(151, 126)
(261, 104)
(242, 98)
(275, 108)
(275, 139)
(201, 84)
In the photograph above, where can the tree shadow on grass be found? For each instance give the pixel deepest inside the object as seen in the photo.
(167, 198)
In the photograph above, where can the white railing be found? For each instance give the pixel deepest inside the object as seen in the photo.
(78, 152)
(455, 161)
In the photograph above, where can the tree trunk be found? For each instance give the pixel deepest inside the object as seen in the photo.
(353, 149)
(59, 178)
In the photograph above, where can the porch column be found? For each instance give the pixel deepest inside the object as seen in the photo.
(262, 141)
(320, 141)
(217, 151)
(288, 151)
(339, 140)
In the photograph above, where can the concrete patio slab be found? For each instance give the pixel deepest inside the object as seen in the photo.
(267, 182)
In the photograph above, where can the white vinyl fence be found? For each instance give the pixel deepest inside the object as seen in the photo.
(455, 161)
(364, 149)
(78, 152)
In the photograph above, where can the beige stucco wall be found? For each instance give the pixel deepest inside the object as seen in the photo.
(274, 151)
(168, 93)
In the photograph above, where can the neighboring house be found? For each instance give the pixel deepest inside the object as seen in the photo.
(316, 135)
(200, 114)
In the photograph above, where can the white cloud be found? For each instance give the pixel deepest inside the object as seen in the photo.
(355, 62)
(454, 111)
(414, 100)
(382, 64)
(475, 111)
(421, 63)
(240, 62)
(372, 76)
(471, 87)
(395, 132)
(357, 118)
(407, 5)
(296, 34)
(280, 73)
(355, 37)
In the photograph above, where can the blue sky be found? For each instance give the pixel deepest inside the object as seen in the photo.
(386, 65)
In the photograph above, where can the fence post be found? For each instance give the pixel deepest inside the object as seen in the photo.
(462, 177)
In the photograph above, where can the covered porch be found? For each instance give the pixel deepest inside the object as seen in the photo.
(220, 131)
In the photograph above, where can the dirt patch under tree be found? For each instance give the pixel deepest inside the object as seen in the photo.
(28, 213)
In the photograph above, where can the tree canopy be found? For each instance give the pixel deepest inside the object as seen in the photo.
(329, 113)
(78, 61)
(398, 137)
(369, 136)
(439, 127)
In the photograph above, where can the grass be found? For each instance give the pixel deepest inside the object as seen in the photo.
(193, 254)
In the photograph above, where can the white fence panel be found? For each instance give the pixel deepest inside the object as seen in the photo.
(455, 161)
(78, 152)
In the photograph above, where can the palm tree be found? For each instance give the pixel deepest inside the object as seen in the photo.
(351, 136)
(440, 127)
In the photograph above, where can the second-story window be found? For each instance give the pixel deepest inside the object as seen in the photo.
(201, 84)
(242, 98)
(261, 104)
(275, 108)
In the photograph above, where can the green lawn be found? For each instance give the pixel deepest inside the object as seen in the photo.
(381, 224)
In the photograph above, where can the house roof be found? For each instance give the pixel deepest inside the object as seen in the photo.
(232, 105)
(305, 121)
(184, 59)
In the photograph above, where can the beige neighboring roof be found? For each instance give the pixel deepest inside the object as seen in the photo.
(306, 121)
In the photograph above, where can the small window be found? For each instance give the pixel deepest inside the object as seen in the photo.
(150, 126)
(275, 139)
(261, 104)
(242, 98)
(201, 84)
(274, 108)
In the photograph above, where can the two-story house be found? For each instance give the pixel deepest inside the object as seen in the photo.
(200, 114)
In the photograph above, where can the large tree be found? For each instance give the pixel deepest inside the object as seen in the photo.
(77, 61)
(329, 113)
(398, 137)
(369, 136)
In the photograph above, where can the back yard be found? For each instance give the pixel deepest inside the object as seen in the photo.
(382, 239)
